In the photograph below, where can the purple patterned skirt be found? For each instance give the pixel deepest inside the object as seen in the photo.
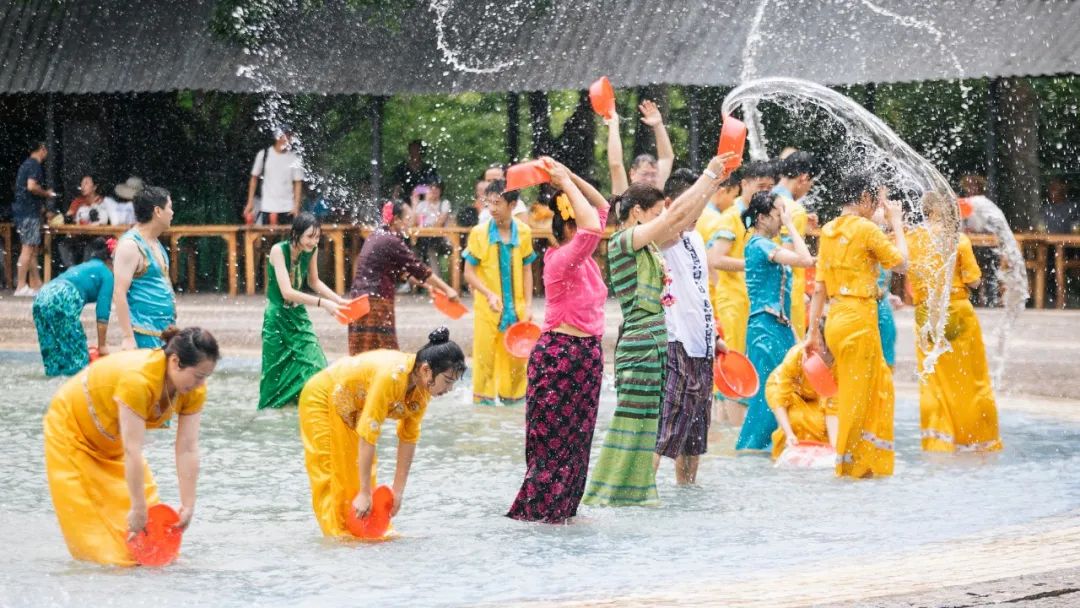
(565, 374)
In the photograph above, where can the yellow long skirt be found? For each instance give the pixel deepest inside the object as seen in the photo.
(496, 374)
(331, 450)
(798, 302)
(865, 401)
(956, 402)
(807, 420)
(86, 480)
(732, 312)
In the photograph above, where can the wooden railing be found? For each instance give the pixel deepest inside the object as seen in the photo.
(346, 240)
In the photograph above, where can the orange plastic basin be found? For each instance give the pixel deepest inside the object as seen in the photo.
(450, 308)
(354, 310)
(374, 525)
(159, 543)
(524, 175)
(602, 97)
(732, 139)
(819, 376)
(520, 338)
(734, 375)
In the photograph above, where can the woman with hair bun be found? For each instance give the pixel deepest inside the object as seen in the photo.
(100, 482)
(769, 332)
(342, 410)
(59, 305)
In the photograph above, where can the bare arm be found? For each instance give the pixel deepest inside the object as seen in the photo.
(782, 419)
(316, 284)
(187, 464)
(585, 214)
(405, 453)
(799, 256)
(253, 183)
(688, 206)
(132, 433)
(364, 460)
(665, 154)
(591, 194)
(894, 213)
(102, 336)
(814, 342)
(619, 181)
(719, 259)
(125, 262)
(527, 283)
(33, 187)
(434, 282)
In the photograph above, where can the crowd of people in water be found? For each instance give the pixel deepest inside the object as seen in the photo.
(700, 264)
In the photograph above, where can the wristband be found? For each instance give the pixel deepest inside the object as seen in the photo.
(709, 174)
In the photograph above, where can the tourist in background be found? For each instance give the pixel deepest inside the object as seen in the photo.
(282, 175)
(90, 208)
(431, 210)
(122, 211)
(30, 198)
(1061, 214)
(412, 172)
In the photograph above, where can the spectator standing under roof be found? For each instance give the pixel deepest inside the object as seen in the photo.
(87, 209)
(412, 172)
(30, 198)
(1060, 213)
(282, 174)
(431, 210)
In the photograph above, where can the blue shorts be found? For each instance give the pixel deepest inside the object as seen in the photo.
(29, 230)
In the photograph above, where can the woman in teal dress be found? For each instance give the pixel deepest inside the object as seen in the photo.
(291, 353)
(59, 305)
(769, 335)
(886, 322)
(624, 474)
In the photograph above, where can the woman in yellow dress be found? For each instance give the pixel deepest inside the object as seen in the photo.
(801, 414)
(956, 400)
(342, 410)
(100, 483)
(850, 249)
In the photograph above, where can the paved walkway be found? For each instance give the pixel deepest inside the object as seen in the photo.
(1035, 564)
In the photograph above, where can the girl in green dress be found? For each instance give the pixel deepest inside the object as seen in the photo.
(291, 353)
(624, 473)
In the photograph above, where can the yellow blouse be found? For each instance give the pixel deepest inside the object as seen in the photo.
(136, 379)
(849, 252)
(925, 258)
(731, 228)
(368, 388)
(788, 379)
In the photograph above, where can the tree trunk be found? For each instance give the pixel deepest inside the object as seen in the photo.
(1019, 153)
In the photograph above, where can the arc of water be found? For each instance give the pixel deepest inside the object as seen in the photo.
(755, 131)
(889, 156)
(451, 56)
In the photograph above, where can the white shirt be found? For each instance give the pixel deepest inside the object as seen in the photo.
(120, 213)
(982, 209)
(428, 212)
(690, 318)
(282, 169)
(84, 216)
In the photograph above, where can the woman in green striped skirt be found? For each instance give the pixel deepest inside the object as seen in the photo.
(623, 476)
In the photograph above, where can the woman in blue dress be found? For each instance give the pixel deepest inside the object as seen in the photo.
(885, 319)
(59, 305)
(768, 282)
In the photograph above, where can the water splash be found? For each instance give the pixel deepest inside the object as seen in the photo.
(451, 56)
(871, 145)
(755, 133)
(1011, 275)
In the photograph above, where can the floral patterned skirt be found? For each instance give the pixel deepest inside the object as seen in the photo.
(565, 375)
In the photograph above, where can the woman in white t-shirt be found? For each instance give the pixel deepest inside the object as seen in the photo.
(431, 210)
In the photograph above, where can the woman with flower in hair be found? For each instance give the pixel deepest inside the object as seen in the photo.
(769, 334)
(59, 305)
(624, 473)
(566, 367)
(384, 259)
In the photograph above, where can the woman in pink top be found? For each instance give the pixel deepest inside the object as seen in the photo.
(566, 365)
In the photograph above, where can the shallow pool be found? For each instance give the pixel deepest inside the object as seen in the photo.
(254, 540)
